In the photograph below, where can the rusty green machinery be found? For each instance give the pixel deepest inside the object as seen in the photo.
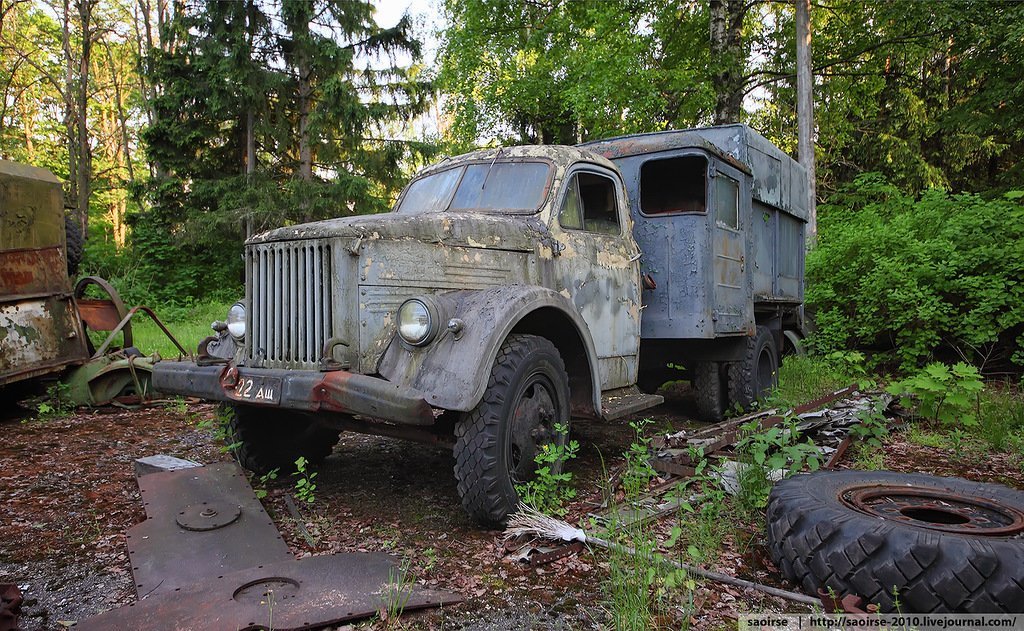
(44, 317)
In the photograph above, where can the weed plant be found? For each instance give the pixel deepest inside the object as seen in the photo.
(549, 492)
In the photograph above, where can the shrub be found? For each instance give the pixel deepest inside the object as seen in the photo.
(914, 279)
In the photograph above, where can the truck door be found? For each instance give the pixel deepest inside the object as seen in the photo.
(599, 268)
(732, 306)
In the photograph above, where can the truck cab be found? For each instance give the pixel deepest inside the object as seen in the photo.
(500, 298)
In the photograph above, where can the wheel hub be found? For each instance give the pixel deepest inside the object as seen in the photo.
(936, 509)
(531, 429)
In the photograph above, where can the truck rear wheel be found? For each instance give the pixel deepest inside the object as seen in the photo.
(271, 439)
(496, 443)
(708, 391)
(754, 377)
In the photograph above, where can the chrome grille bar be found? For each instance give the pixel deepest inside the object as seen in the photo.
(291, 303)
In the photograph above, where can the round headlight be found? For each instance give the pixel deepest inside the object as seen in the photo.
(236, 320)
(417, 322)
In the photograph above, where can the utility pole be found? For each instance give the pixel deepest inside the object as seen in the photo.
(805, 111)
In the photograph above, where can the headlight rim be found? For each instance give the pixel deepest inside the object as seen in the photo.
(233, 320)
(433, 321)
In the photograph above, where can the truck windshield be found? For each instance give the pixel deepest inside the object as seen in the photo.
(513, 187)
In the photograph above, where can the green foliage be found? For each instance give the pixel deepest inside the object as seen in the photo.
(700, 529)
(765, 451)
(261, 486)
(1001, 422)
(288, 76)
(57, 403)
(638, 474)
(872, 427)
(220, 427)
(641, 585)
(912, 279)
(558, 72)
(305, 488)
(949, 396)
(549, 492)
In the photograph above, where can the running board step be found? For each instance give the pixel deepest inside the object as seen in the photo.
(625, 401)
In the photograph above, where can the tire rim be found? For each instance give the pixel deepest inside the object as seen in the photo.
(765, 370)
(936, 509)
(531, 426)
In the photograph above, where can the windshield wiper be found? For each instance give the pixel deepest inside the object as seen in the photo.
(483, 185)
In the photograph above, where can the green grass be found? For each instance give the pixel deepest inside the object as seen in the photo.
(1001, 421)
(805, 378)
(188, 324)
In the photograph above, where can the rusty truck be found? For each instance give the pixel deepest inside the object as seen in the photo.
(46, 317)
(509, 291)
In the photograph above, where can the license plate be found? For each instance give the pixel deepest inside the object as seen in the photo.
(257, 390)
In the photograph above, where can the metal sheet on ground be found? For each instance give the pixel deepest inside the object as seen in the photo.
(308, 593)
(201, 523)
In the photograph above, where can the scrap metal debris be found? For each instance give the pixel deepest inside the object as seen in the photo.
(209, 557)
(827, 421)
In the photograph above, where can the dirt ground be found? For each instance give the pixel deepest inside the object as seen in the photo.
(68, 494)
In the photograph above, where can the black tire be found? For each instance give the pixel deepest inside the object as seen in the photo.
(75, 244)
(708, 391)
(494, 452)
(271, 439)
(754, 377)
(822, 537)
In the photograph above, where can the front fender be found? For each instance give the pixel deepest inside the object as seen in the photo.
(453, 370)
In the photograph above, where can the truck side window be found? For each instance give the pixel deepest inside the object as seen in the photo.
(590, 205)
(673, 185)
(727, 200)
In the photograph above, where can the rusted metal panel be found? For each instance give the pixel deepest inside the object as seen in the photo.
(452, 371)
(209, 557)
(167, 557)
(335, 391)
(38, 336)
(33, 272)
(31, 208)
(310, 593)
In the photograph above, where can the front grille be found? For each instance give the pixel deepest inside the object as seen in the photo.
(291, 303)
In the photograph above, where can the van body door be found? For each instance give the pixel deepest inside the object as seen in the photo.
(733, 309)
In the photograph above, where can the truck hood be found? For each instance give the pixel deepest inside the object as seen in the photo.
(501, 232)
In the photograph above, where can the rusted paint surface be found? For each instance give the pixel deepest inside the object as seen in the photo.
(33, 272)
(209, 557)
(38, 336)
(39, 328)
(311, 593)
(165, 557)
(452, 371)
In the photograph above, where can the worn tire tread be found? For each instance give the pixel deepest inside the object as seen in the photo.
(818, 543)
(478, 469)
(275, 443)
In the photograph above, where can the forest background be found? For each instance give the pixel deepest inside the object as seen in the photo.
(182, 126)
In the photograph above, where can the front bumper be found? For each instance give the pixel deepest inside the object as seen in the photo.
(303, 390)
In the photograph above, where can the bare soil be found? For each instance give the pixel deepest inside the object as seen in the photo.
(68, 494)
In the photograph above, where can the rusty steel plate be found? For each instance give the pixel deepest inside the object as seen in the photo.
(202, 523)
(308, 593)
(208, 516)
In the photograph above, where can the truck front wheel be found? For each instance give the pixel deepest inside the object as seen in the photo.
(497, 442)
(268, 439)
